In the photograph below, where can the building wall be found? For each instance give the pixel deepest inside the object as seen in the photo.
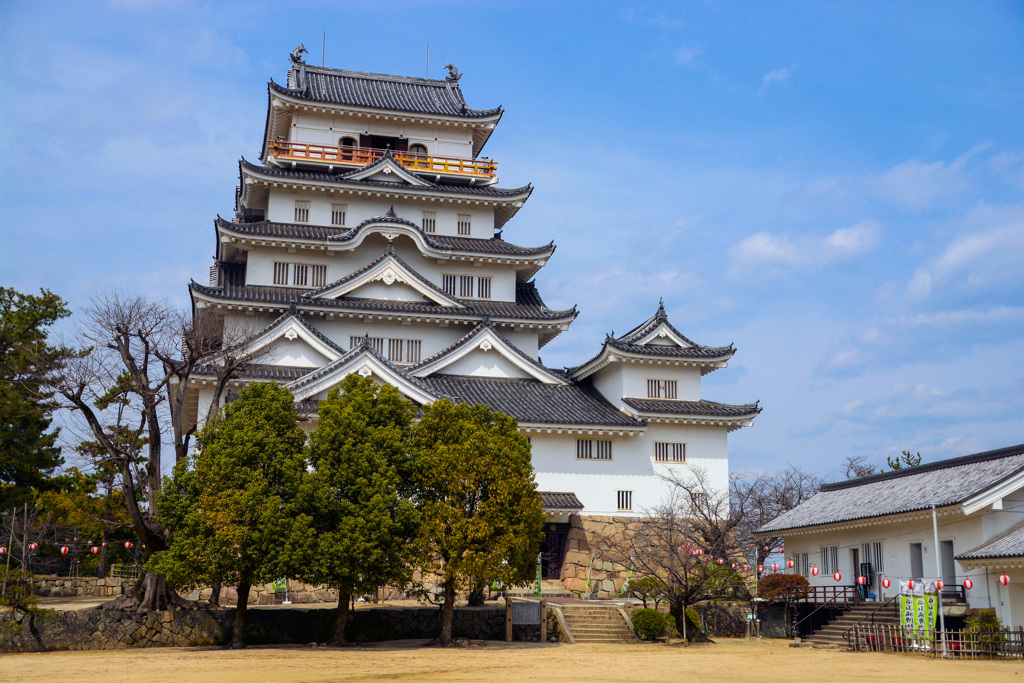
(619, 379)
(321, 129)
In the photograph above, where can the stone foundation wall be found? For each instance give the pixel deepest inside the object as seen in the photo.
(106, 630)
(606, 577)
(84, 586)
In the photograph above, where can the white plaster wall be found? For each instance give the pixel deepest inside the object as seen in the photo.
(479, 363)
(609, 381)
(295, 353)
(635, 376)
(323, 129)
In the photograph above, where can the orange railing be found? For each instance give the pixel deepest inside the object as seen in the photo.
(361, 156)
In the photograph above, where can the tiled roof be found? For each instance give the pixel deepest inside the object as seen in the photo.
(560, 500)
(532, 401)
(700, 408)
(282, 296)
(1009, 544)
(489, 191)
(380, 91)
(947, 482)
(292, 314)
(442, 242)
(279, 373)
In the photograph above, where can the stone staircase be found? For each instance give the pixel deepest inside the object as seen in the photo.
(597, 624)
(831, 635)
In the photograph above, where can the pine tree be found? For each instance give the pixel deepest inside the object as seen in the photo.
(481, 514)
(229, 511)
(359, 523)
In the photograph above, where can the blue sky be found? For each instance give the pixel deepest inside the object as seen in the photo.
(837, 188)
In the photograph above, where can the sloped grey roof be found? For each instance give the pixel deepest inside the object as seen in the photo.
(380, 91)
(1009, 544)
(696, 408)
(533, 401)
(560, 500)
(947, 482)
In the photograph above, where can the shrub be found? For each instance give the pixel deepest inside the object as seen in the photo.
(649, 623)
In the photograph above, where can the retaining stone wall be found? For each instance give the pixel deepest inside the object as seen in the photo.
(54, 586)
(585, 533)
(107, 630)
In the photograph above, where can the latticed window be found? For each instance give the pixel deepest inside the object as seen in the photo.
(280, 273)
(669, 452)
(338, 212)
(662, 388)
(593, 449)
(448, 284)
(830, 559)
(464, 223)
(300, 274)
(318, 276)
(413, 350)
(483, 288)
(398, 350)
(466, 286)
(301, 211)
(430, 221)
(625, 500)
(395, 350)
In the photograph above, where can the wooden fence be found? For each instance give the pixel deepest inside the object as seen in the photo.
(1007, 643)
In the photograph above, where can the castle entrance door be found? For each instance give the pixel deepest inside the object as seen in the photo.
(552, 549)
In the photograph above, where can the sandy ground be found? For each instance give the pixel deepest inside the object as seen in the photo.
(727, 660)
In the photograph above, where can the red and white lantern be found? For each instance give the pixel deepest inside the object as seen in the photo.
(837, 576)
(886, 583)
(94, 550)
(128, 545)
(814, 571)
(760, 569)
(861, 581)
(63, 550)
(766, 548)
(721, 561)
(104, 544)
(775, 566)
(789, 563)
(910, 584)
(746, 567)
(782, 550)
(968, 584)
(3, 550)
(698, 552)
(33, 546)
(939, 584)
(1004, 579)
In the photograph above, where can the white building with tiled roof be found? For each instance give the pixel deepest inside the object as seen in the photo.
(369, 240)
(973, 505)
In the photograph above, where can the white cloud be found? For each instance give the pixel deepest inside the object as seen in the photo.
(805, 252)
(857, 239)
(915, 186)
(686, 55)
(774, 76)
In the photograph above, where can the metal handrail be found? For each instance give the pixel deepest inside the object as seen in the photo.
(871, 615)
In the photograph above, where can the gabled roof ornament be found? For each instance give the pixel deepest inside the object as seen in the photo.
(453, 73)
(661, 314)
(293, 309)
(298, 52)
(391, 212)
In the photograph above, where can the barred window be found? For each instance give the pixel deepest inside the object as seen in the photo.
(669, 452)
(430, 221)
(448, 284)
(801, 564)
(338, 212)
(301, 211)
(830, 559)
(300, 274)
(466, 286)
(465, 220)
(319, 276)
(593, 449)
(483, 288)
(625, 500)
(280, 273)
(398, 350)
(662, 388)
(395, 350)
(412, 349)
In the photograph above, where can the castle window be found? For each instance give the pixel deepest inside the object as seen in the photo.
(465, 221)
(662, 388)
(301, 211)
(412, 350)
(593, 449)
(483, 288)
(625, 500)
(348, 143)
(669, 452)
(338, 212)
(466, 286)
(397, 350)
(417, 149)
(829, 559)
(280, 273)
(430, 221)
(300, 275)
(448, 284)
(319, 274)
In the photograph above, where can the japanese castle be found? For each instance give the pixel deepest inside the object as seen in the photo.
(369, 239)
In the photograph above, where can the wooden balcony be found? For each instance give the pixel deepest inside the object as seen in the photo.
(362, 156)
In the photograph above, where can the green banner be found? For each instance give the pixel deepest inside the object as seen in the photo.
(919, 616)
(625, 586)
(931, 611)
(907, 614)
(537, 583)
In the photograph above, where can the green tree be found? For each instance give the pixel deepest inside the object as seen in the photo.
(29, 453)
(481, 513)
(229, 514)
(360, 525)
(904, 459)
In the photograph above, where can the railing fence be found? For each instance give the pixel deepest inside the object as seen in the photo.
(964, 643)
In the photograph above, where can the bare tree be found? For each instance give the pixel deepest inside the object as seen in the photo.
(131, 379)
(856, 466)
(759, 498)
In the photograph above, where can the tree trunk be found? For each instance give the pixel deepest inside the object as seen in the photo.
(476, 596)
(341, 619)
(238, 634)
(447, 615)
(215, 594)
(150, 592)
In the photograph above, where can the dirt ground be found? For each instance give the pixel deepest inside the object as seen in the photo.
(727, 660)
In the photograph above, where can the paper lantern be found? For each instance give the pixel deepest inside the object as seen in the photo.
(837, 576)
(63, 550)
(721, 561)
(735, 566)
(968, 584)
(104, 544)
(746, 567)
(886, 583)
(766, 548)
(76, 539)
(789, 563)
(698, 552)
(33, 546)
(814, 571)
(127, 545)
(775, 566)
(3, 550)
(1004, 579)
(861, 581)
(781, 549)
(910, 584)
(94, 550)
(939, 584)
(760, 569)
